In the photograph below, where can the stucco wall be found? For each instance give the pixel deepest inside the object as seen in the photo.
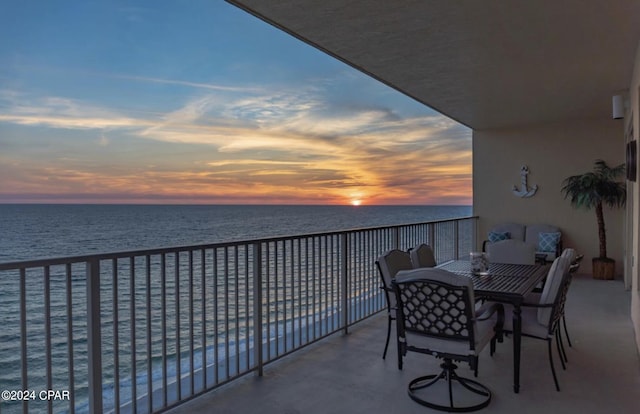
(552, 152)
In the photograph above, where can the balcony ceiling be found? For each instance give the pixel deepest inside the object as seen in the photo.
(486, 64)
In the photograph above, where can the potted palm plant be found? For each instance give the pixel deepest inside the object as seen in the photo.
(592, 190)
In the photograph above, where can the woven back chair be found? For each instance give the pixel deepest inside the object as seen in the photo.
(436, 316)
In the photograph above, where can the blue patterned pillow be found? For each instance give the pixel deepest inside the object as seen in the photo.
(495, 236)
(548, 242)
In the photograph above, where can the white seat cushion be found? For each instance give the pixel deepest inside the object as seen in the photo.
(570, 254)
(511, 251)
(551, 286)
(483, 334)
(530, 324)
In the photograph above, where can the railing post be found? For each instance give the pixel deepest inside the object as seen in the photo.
(257, 307)
(395, 237)
(474, 240)
(456, 239)
(432, 235)
(23, 335)
(94, 341)
(431, 240)
(344, 280)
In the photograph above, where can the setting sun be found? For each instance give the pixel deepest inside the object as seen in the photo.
(356, 202)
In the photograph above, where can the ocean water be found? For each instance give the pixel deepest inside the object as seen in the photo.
(30, 232)
(35, 231)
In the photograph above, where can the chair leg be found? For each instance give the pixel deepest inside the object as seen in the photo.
(566, 332)
(497, 336)
(553, 370)
(386, 345)
(450, 383)
(560, 348)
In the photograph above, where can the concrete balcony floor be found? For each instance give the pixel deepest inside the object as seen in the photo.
(346, 373)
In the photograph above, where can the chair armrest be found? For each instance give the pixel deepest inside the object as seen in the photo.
(575, 265)
(487, 310)
(388, 289)
(390, 309)
(484, 246)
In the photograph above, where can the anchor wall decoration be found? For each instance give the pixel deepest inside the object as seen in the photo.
(524, 191)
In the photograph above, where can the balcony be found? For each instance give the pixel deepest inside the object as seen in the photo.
(346, 374)
(322, 333)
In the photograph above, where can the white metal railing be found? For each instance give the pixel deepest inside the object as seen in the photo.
(142, 331)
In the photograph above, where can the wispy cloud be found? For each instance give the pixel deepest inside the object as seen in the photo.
(243, 143)
(195, 85)
(63, 113)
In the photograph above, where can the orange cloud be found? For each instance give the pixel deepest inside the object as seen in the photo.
(270, 148)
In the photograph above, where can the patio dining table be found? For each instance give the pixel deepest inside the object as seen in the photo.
(506, 283)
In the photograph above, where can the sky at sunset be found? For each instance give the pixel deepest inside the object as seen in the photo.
(168, 101)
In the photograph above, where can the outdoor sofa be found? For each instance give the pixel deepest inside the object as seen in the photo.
(523, 244)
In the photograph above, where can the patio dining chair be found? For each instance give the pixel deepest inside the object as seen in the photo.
(541, 319)
(422, 256)
(573, 262)
(436, 315)
(390, 263)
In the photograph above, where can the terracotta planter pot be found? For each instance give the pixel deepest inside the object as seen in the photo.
(603, 268)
